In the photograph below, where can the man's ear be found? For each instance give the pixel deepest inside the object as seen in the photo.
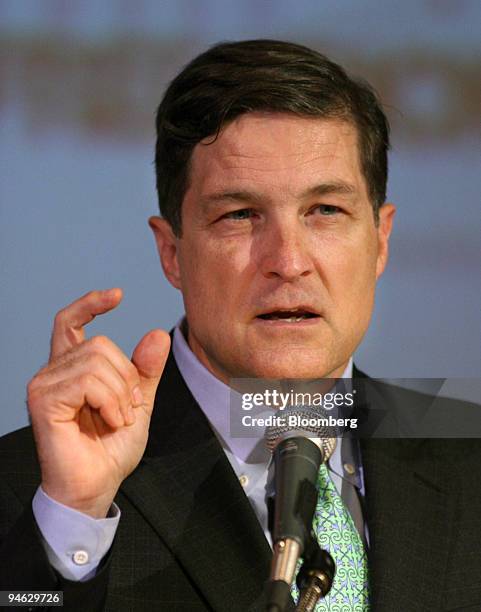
(386, 217)
(167, 247)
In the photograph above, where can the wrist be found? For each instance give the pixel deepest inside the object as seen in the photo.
(96, 508)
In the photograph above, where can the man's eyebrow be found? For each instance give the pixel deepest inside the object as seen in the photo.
(230, 196)
(339, 187)
(252, 197)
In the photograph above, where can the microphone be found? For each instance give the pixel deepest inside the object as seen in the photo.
(291, 493)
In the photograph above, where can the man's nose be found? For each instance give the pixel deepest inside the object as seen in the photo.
(284, 252)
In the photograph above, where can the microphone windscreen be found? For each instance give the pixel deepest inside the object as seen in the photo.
(304, 422)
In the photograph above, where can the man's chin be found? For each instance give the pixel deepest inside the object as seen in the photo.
(292, 366)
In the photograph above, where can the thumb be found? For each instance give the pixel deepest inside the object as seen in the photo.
(149, 358)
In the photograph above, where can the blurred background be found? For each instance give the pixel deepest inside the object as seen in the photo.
(79, 84)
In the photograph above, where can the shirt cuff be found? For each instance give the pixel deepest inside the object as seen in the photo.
(75, 543)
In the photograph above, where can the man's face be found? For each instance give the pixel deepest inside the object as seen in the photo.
(280, 252)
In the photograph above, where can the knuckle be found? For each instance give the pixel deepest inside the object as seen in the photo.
(60, 317)
(36, 397)
(38, 380)
(87, 379)
(32, 389)
(99, 342)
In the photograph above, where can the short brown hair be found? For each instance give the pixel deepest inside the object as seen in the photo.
(231, 79)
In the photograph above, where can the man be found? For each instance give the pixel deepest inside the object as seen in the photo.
(271, 172)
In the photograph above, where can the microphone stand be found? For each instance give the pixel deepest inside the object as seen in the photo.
(315, 576)
(314, 579)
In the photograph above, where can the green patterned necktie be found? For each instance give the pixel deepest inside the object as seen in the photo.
(337, 533)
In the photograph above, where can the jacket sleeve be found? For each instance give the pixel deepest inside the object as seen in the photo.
(24, 564)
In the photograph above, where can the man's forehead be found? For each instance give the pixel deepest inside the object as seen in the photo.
(278, 135)
(278, 146)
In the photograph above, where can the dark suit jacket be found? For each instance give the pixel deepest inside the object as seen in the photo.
(189, 540)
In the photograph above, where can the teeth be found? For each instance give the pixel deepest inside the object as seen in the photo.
(289, 319)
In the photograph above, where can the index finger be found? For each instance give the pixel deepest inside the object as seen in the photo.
(68, 327)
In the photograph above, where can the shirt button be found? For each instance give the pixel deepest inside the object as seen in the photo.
(80, 557)
(349, 468)
(244, 480)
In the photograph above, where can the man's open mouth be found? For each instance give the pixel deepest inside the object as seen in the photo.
(290, 316)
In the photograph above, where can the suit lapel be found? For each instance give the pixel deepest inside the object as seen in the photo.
(410, 517)
(186, 489)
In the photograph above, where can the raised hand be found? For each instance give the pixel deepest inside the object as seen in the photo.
(91, 406)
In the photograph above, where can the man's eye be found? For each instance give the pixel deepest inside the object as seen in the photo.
(327, 210)
(239, 215)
